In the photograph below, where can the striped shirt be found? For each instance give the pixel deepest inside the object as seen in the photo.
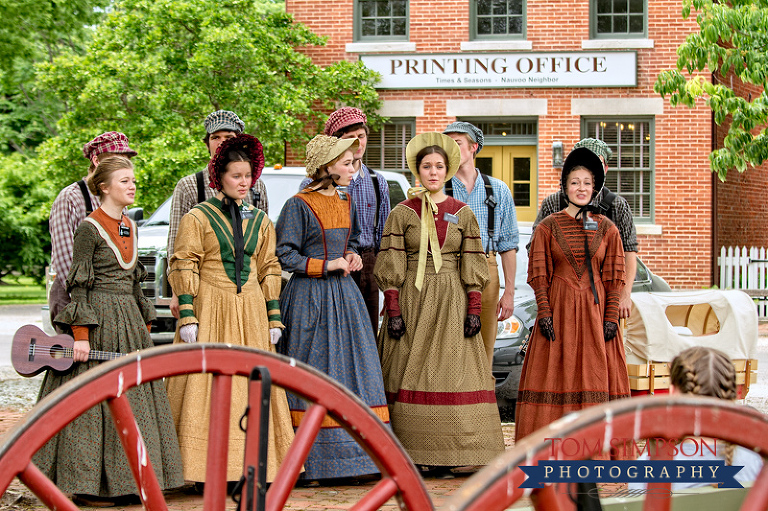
(506, 235)
(67, 211)
(185, 198)
(362, 192)
(622, 216)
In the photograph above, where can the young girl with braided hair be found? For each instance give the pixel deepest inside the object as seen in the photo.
(709, 372)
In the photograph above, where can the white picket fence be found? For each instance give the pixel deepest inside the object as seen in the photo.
(747, 269)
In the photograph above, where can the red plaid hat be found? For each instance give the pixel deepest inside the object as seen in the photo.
(342, 118)
(109, 142)
(248, 144)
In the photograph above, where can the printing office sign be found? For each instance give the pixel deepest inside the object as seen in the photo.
(504, 70)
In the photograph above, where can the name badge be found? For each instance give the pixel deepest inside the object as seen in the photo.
(124, 231)
(342, 195)
(589, 223)
(246, 214)
(451, 218)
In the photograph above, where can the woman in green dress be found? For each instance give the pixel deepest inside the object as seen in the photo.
(108, 312)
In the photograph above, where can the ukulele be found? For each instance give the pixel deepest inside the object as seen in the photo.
(33, 351)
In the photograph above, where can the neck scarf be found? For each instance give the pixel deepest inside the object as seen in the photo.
(237, 235)
(428, 233)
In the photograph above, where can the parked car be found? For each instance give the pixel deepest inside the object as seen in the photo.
(513, 332)
(281, 183)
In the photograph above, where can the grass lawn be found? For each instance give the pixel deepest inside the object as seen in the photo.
(21, 290)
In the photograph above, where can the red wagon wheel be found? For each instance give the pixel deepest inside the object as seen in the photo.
(108, 382)
(497, 486)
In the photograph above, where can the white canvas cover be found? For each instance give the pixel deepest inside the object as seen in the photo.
(722, 319)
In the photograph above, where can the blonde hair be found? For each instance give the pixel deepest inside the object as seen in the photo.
(705, 372)
(104, 171)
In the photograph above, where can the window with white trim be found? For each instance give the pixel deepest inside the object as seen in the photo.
(617, 19)
(497, 19)
(386, 147)
(630, 169)
(381, 20)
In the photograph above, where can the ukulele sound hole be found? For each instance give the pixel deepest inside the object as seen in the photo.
(57, 351)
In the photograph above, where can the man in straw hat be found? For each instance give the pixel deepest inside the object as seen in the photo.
(191, 190)
(370, 192)
(493, 205)
(611, 205)
(71, 206)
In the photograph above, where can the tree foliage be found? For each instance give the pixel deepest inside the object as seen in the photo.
(156, 68)
(732, 38)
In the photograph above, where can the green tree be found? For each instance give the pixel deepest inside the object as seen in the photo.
(156, 68)
(24, 241)
(732, 38)
(33, 32)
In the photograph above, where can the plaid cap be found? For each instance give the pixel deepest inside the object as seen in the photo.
(223, 120)
(109, 142)
(248, 144)
(475, 133)
(598, 147)
(343, 117)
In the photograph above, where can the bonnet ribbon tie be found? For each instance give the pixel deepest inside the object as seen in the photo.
(428, 233)
(583, 212)
(237, 235)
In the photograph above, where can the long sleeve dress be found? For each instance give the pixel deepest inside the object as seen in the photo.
(578, 369)
(326, 322)
(439, 390)
(203, 276)
(86, 457)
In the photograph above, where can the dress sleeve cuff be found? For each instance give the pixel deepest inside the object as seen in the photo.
(474, 302)
(392, 302)
(77, 314)
(81, 333)
(315, 268)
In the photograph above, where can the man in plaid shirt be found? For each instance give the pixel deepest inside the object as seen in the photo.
(469, 186)
(219, 126)
(71, 206)
(619, 212)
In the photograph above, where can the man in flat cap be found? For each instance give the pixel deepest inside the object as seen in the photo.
(370, 192)
(611, 205)
(72, 205)
(492, 203)
(194, 189)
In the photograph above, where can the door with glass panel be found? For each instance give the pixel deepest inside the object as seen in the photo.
(517, 166)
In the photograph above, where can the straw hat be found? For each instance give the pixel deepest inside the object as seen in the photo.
(324, 149)
(433, 138)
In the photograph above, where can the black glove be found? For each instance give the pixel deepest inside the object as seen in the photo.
(396, 327)
(547, 328)
(471, 325)
(609, 330)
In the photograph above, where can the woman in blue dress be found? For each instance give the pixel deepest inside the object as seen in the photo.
(326, 321)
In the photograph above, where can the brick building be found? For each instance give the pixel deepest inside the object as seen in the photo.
(537, 77)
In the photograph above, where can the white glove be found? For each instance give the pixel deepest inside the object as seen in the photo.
(188, 332)
(275, 334)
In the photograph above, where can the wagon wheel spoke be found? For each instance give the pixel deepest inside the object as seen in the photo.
(48, 493)
(215, 493)
(378, 496)
(288, 473)
(136, 451)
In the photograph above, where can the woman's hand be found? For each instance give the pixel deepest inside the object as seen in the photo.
(396, 327)
(471, 325)
(547, 327)
(188, 332)
(609, 330)
(339, 264)
(80, 351)
(355, 262)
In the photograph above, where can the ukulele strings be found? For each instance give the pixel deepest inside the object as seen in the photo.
(66, 352)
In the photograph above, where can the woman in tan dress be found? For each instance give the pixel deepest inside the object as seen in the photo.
(432, 269)
(227, 277)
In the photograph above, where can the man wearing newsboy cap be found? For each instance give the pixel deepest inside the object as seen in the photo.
(611, 205)
(71, 206)
(194, 189)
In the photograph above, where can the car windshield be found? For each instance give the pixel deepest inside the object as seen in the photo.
(161, 216)
(521, 273)
(281, 187)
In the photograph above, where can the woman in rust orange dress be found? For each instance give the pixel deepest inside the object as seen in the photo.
(575, 358)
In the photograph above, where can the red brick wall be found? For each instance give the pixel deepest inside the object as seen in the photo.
(683, 253)
(742, 203)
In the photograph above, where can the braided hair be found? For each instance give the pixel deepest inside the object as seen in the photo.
(705, 372)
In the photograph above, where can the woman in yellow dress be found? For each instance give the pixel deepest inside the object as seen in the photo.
(227, 277)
